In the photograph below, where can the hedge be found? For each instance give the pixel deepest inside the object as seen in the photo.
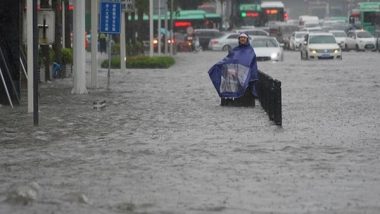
(141, 62)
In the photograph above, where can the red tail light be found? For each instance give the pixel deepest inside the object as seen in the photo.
(213, 42)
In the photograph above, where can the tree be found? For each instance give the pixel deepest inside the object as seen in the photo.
(188, 5)
(57, 46)
(45, 48)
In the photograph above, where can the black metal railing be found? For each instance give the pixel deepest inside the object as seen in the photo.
(269, 92)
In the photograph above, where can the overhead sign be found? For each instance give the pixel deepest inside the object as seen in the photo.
(251, 7)
(128, 5)
(110, 17)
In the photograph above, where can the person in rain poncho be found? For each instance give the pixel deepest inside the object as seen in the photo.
(237, 71)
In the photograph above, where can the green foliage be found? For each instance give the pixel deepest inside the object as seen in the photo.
(134, 49)
(115, 49)
(67, 56)
(150, 62)
(188, 5)
(42, 58)
(115, 62)
(131, 49)
(141, 62)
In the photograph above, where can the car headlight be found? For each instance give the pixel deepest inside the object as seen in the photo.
(313, 51)
(274, 55)
(336, 50)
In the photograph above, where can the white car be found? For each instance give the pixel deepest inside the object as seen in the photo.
(296, 39)
(225, 42)
(267, 48)
(363, 40)
(253, 32)
(320, 46)
(341, 37)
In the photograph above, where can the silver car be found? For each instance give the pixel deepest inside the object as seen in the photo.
(363, 40)
(267, 48)
(341, 38)
(225, 42)
(296, 39)
(253, 32)
(320, 46)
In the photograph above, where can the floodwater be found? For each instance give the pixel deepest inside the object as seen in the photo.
(164, 145)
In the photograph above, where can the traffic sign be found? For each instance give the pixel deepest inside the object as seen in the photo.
(110, 17)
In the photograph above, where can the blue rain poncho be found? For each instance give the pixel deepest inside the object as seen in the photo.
(232, 75)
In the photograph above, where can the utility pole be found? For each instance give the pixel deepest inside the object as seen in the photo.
(36, 75)
(122, 42)
(94, 43)
(45, 47)
(30, 57)
(171, 27)
(150, 28)
(79, 49)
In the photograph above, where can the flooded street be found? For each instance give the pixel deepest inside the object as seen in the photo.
(163, 144)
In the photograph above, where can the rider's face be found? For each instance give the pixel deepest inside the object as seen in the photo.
(243, 39)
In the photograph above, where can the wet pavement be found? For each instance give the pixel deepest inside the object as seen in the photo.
(163, 144)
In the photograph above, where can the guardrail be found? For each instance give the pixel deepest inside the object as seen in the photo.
(269, 92)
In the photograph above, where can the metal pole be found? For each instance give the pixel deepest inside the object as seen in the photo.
(109, 62)
(79, 49)
(122, 42)
(159, 29)
(166, 30)
(150, 28)
(36, 75)
(171, 27)
(94, 43)
(29, 38)
(63, 24)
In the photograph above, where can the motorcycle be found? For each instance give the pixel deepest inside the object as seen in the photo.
(193, 43)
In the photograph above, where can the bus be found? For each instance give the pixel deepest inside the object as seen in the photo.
(249, 13)
(195, 19)
(370, 15)
(273, 11)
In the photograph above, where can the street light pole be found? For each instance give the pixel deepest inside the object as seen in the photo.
(171, 28)
(35, 65)
(30, 24)
(150, 28)
(94, 43)
(79, 49)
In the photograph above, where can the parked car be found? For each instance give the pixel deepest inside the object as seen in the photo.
(267, 48)
(296, 39)
(362, 39)
(340, 37)
(320, 46)
(253, 32)
(204, 36)
(225, 42)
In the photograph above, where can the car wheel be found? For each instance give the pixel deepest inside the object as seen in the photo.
(226, 48)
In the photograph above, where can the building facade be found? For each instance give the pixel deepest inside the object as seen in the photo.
(10, 34)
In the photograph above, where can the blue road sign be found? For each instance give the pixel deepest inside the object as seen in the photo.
(110, 17)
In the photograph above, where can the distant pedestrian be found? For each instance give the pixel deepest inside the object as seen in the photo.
(102, 43)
